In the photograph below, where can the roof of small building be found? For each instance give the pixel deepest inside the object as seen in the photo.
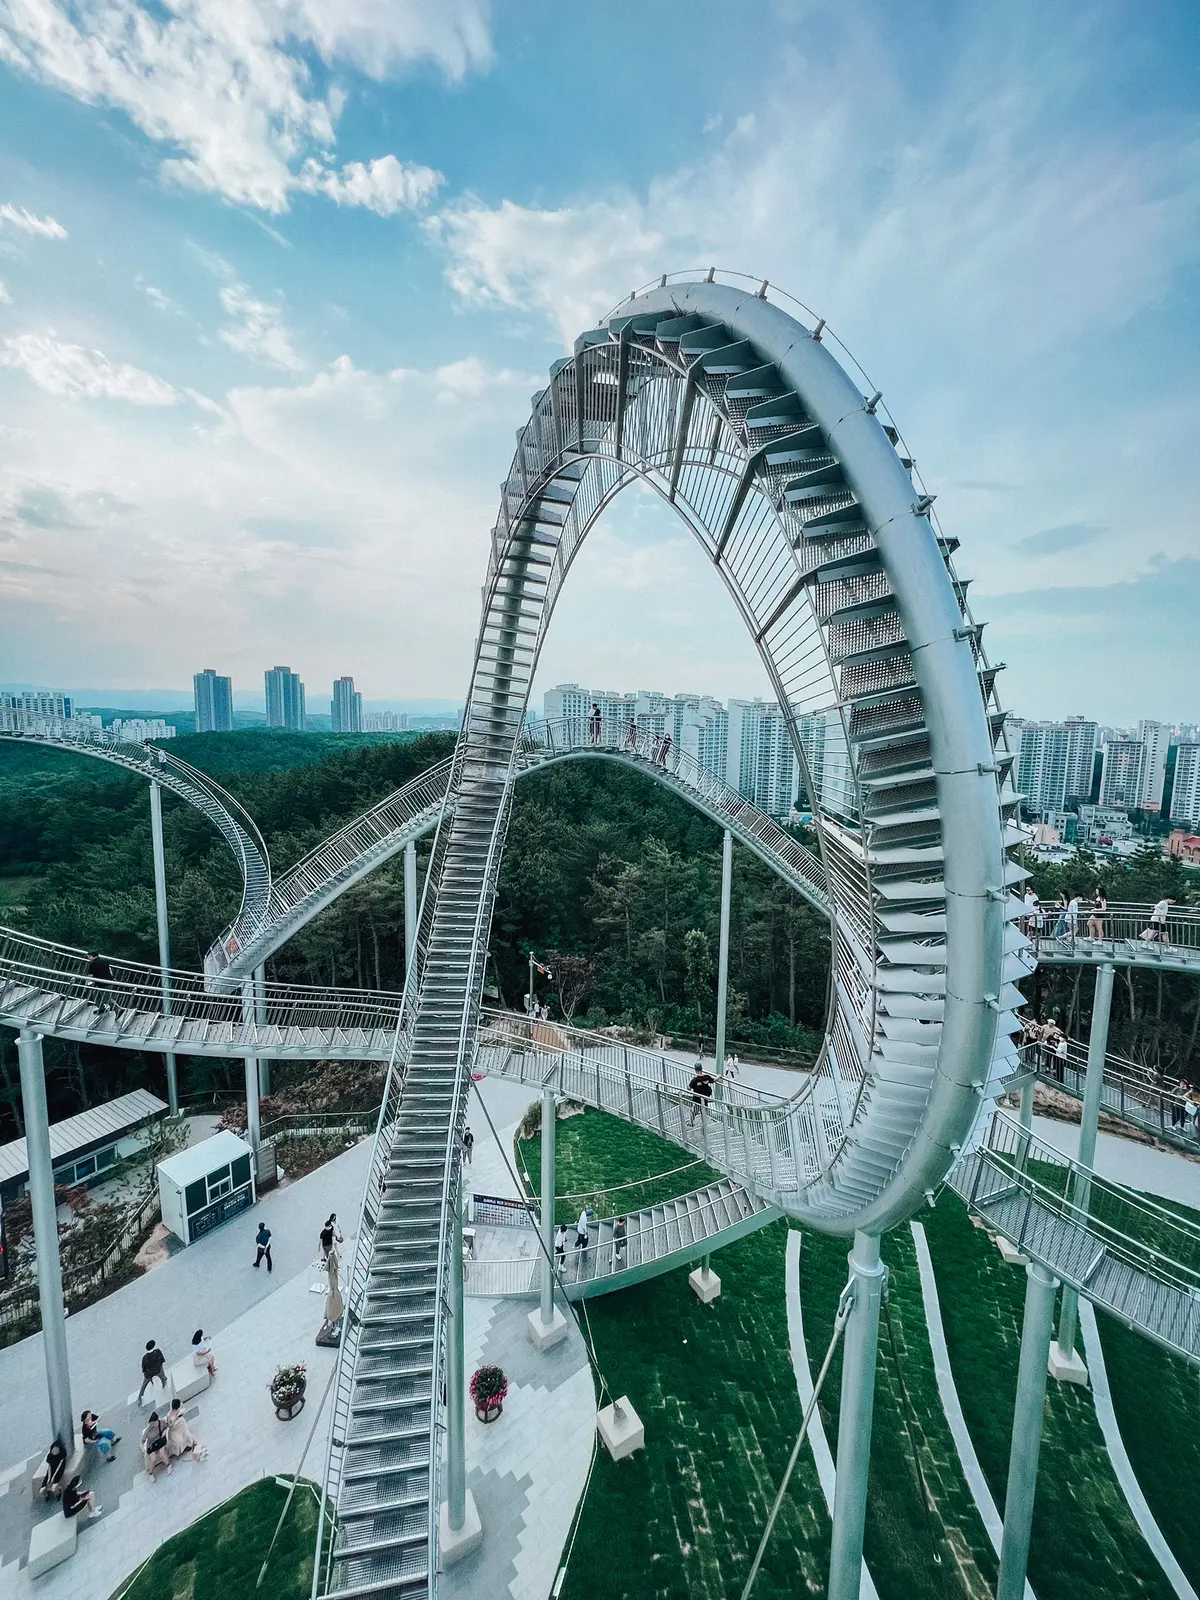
(198, 1160)
(92, 1127)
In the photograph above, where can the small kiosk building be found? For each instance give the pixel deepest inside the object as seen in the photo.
(206, 1185)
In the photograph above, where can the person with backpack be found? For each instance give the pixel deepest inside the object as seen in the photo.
(262, 1240)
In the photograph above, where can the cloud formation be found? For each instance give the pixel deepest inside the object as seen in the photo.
(258, 331)
(230, 87)
(27, 222)
(77, 373)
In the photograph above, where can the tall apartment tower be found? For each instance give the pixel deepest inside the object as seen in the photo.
(1053, 761)
(761, 763)
(1122, 774)
(213, 697)
(1156, 737)
(346, 707)
(1185, 796)
(285, 699)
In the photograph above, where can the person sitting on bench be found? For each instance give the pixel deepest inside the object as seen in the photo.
(50, 1476)
(76, 1499)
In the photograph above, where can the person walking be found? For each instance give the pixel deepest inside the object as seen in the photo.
(701, 1088)
(262, 1240)
(631, 734)
(202, 1352)
(330, 1235)
(1060, 927)
(100, 979)
(1073, 917)
(154, 1366)
(620, 1234)
(1060, 1058)
(468, 1144)
(664, 750)
(1095, 922)
(103, 1440)
(1030, 907)
(1157, 931)
(594, 724)
(560, 1246)
(581, 1231)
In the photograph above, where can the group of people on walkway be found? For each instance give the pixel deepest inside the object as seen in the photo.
(583, 1243)
(1062, 919)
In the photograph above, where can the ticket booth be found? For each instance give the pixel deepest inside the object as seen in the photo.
(206, 1185)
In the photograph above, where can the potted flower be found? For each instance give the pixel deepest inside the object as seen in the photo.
(287, 1390)
(488, 1389)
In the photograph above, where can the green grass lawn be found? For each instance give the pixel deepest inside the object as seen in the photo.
(595, 1151)
(717, 1393)
(1086, 1545)
(218, 1558)
(1157, 1401)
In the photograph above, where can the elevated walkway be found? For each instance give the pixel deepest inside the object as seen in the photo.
(1127, 1254)
(658, 1239)
(46, 986)
(1129, 1093)
(1126, 941)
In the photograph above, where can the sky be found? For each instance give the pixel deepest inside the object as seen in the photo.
(279, 278)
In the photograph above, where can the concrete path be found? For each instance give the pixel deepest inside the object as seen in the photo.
(822, 1455)
(951, 1405)
(210, 1284)
(1137, 1166)
(1130, 1488)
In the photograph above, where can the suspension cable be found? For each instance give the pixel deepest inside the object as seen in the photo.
(845, 1302)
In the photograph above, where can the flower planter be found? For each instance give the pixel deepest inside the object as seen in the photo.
(286, 1389)
(488, 1387)
(489, 1413)
(289, 1406)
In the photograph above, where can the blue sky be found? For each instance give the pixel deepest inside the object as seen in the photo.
(279, 277)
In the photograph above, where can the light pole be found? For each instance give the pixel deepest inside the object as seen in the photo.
(45, 1235)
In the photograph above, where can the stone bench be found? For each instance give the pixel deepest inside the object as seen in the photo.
(186, 1379)
(51, 1542)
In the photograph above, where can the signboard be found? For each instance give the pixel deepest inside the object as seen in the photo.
(220, 1211)
(493, 1210)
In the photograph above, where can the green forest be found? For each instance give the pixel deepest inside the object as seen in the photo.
(611, 881)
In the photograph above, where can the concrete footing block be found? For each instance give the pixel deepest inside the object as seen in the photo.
(454, 1544)
(545, 1335)
(1011, 1254)
(1067, 1368)
(704, 1284)
(621, 1429)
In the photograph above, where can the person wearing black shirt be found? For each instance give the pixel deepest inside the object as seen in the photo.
(701, 1088)
(76, 1499)
(154, 1366)
(100, 974)
(102, 1439)
(49, 1479)
(263, 1241)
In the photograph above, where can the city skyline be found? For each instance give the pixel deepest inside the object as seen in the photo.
(268, 385)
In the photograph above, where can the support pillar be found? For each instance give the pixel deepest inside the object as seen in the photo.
(723, 950)
(860, 1343)
(547, 1325)
(461, 1530)
(250, 1014)
(1066, 1363)
(260, 1013)
(45, 1236)
(1026, 1431)
(410, 905)
(164, 935)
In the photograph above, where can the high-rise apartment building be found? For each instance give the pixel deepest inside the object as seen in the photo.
(761, 761)
(285, 699)
(1121, 776)
(346, 708)
(1156, 737)
(1185, 795)
(213, 697)
(1053, 761)
(385, 721)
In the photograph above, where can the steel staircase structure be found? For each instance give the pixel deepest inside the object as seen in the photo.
(739, 415)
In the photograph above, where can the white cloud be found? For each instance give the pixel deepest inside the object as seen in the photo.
(18, 217)
(5, 297)
(160, 301)
(259, 332)
(73, 371)
(384, 186)
(228, 86)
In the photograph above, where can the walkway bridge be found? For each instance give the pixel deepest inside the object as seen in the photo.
(1129, 1255)
(1130, 1092)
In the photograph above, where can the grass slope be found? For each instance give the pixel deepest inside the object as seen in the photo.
(219, 1556)
(1086, 1545)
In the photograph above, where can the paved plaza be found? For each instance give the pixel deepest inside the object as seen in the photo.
(527, 1471)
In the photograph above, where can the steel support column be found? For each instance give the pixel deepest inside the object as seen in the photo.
(1089, 1123)
(456, 1380)
(410, 906)
(546, 1218)
(723, 948)
(45, 1236)
(249, 1013)
(861, 1339)
(260, 1016)
(1026, 1431)
(164, 935)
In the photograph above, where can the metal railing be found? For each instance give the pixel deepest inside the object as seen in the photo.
(1128, 1092)
(1124, 930)
(41, 981)
(516, 1278)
